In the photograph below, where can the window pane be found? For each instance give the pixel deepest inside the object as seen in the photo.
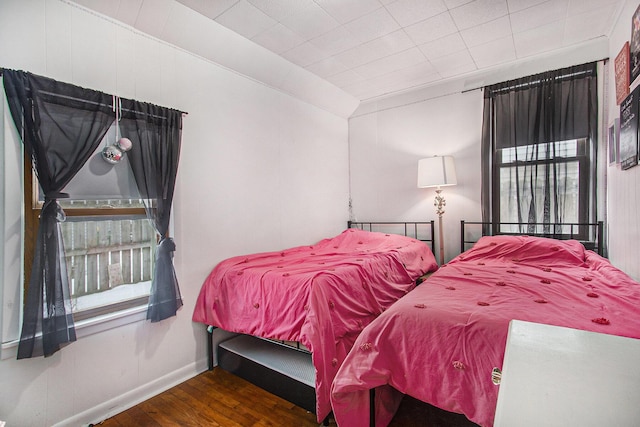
(98, 179)
(529, 182)
(108, 260)
(547, 151)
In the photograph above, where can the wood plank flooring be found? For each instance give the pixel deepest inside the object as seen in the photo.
(217, 398)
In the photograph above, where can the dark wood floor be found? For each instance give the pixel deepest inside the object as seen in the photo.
(217, 398)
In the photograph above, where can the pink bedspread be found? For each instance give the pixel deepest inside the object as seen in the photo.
(440, 342)
(321, 295)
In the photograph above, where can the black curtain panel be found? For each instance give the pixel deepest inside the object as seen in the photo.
(61, 125)
(156, 136)
(528, 115)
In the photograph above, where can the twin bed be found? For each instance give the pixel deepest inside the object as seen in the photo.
(442, 342)
(322, 295)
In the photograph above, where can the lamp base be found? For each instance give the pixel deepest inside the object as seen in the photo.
(440, 203)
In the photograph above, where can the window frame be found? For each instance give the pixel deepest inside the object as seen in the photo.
(32, 208)
(584, 154)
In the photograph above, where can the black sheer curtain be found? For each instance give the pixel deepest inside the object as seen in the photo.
(61, 125)
(156, 135)
(529, 115)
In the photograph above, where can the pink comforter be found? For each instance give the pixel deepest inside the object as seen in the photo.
(321, 295)
(440, 342)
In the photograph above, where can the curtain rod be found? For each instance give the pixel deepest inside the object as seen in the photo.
(112, 106)
(533, 75)
(184, 113)
(539, 81)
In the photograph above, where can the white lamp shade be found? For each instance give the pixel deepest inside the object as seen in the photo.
(436, 172)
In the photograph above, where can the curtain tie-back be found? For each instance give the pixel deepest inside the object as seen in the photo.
(164, 299)
(52, 209)
(166, 247)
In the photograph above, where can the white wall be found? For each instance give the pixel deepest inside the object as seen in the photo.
(623, 194)
(260, 170)
(385, 146)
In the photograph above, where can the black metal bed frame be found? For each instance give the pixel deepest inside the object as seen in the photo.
(411, 229)
(590, 234)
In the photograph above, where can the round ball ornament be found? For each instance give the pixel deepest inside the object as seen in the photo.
(112, 154)
(124, 144)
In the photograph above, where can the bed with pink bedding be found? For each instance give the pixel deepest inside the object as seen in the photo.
(321, 295)
(440, 342)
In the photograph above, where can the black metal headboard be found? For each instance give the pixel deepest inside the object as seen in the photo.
(589, 234)
(423, 231)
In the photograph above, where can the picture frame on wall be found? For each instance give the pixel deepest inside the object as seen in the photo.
(634, 46)
(621, 69)
(628, 152)
(613, 140)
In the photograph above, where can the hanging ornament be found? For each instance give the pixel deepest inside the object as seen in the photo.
(114, 153)
(124, 144)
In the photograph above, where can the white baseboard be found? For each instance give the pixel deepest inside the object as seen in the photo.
(127, 400)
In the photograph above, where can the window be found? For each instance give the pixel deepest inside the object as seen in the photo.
(529, 174)
(62, 127)
(109, 243)
(539, 154)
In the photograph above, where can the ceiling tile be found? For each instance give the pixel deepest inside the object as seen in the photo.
(443, 47)
(456, 3)
(327, 67)
(539, 40)
(278, 39)
(478, 12)
(346, 78)
(210, 9)
(454, 64)
(346, 11)
(518, 5)
(305, 54)
(408, 12)
(375, 49)
(432, 28)
(245, 19)
(493, 53)
(403, 79)
(391, 63)
(416, 74)
(537, 16)
(373, 25)
(312, 23)
(487, 32)
(283, 9)
(335, 41)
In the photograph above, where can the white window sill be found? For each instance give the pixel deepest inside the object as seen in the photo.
(111, 296)
(88, 327)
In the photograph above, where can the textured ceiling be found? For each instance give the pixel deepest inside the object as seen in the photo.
(372, 48)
